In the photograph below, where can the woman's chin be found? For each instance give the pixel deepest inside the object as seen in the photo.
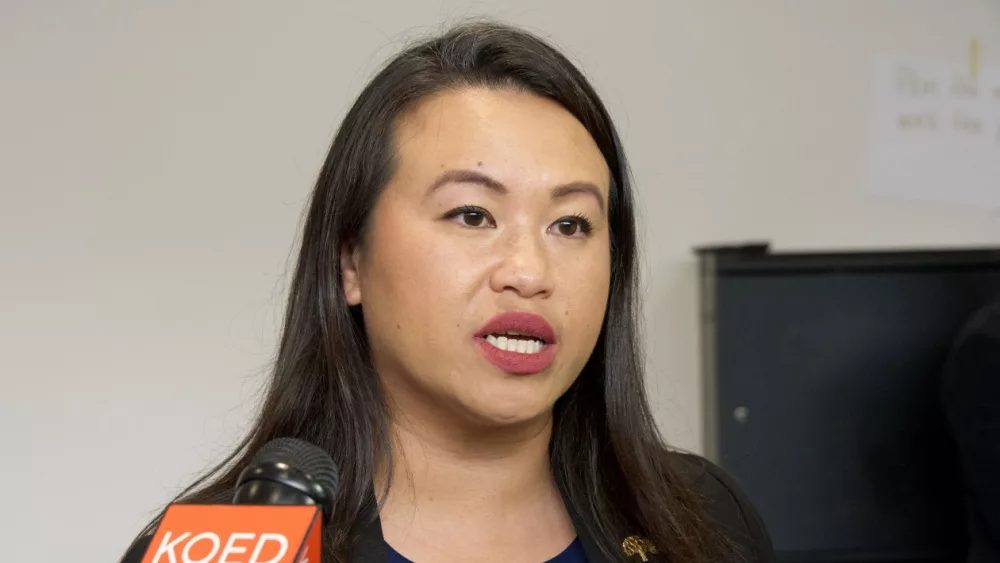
(508, 413)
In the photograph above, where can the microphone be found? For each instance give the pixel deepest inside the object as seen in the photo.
(282, 499)
(289, 471)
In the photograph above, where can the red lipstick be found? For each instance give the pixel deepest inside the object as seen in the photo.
(531, 337)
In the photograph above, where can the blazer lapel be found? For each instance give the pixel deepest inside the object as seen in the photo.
(590, 548)
(371, 544)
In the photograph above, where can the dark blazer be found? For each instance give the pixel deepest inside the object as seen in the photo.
(727, 505)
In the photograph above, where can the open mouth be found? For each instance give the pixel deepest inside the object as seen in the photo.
(518, 342)
(513, 341)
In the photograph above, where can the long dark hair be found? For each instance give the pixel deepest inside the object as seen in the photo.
(607, 457)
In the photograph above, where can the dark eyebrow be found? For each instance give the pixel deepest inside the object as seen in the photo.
(467, 177)
(473, 177)
(579, 188)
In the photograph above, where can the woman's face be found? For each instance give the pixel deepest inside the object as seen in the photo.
(493, 223)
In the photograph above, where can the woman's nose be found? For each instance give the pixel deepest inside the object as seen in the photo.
(524, 267)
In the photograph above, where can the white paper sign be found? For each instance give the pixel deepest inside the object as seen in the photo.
(935, 134)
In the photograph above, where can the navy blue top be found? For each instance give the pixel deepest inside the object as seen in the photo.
(572, 554)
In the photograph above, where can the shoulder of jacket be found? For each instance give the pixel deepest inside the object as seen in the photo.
(726, 503)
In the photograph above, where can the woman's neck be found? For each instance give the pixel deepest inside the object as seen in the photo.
(456, 486)
(463, 464)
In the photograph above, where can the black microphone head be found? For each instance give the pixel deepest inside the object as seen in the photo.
(305, 457)
(289, 471)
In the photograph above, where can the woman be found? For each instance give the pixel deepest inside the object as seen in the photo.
(461, 334)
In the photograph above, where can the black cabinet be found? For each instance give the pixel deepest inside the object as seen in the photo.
(821, 379)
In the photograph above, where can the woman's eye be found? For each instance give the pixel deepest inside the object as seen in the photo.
(568, 228)
(575, 226)
(471, 216)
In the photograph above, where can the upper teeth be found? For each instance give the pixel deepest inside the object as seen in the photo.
(522, 346)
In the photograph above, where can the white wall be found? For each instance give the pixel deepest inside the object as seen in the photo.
(155, 158)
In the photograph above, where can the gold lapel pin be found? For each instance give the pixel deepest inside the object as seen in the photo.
(634, 545)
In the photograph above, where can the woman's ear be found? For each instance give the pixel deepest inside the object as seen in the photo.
(350, 261)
